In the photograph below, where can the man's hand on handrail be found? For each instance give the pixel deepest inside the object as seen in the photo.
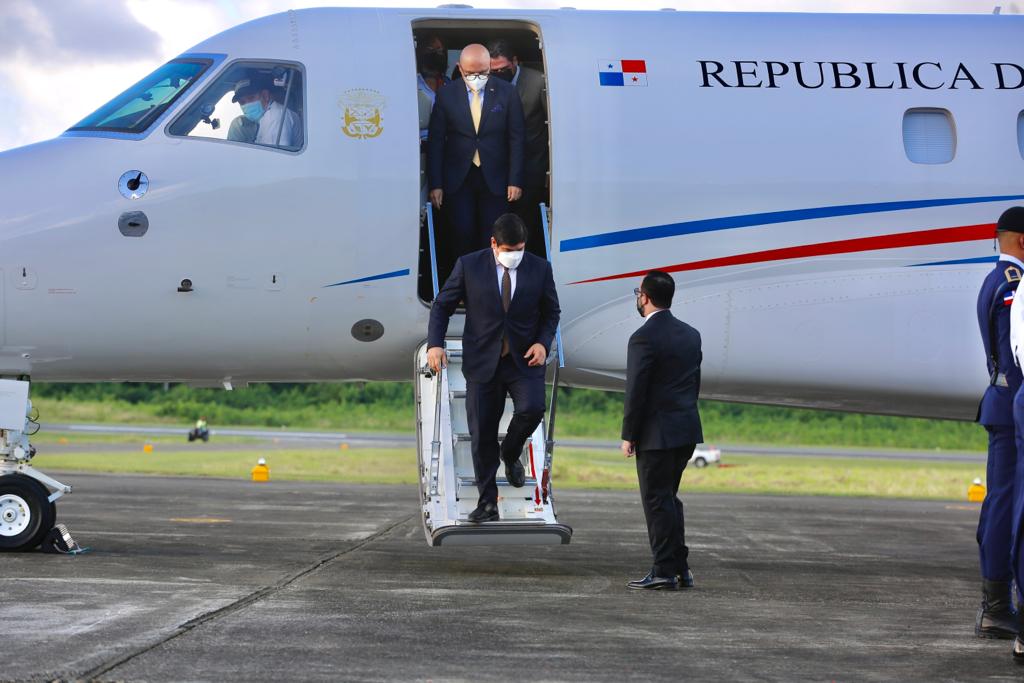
(437, 359)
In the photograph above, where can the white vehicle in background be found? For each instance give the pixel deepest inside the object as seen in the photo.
(705, 454)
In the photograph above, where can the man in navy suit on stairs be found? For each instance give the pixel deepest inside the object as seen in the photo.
(511, 316)
(475, 150)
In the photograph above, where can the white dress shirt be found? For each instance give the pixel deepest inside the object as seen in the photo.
(511, 274)
(291, 132)
(1016, 318)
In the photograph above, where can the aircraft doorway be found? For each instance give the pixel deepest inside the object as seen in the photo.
(517, 56)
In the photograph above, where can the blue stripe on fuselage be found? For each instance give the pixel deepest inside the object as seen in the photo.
(957, 262)
(750, 220)
(371, 278)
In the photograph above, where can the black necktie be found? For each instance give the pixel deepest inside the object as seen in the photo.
(506, 301)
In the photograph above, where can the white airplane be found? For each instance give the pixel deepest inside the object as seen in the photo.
(823, 187)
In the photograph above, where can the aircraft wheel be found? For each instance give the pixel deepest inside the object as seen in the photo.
(26, 514)
(700, 462)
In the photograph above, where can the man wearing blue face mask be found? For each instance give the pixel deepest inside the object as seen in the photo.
(511, 316)
(276, 125)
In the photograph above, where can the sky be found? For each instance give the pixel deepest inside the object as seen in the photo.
(62, 59)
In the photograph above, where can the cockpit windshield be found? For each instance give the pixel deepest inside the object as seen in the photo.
(134, 110)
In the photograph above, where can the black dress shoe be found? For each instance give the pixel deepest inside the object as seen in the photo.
(515, 473)
(995, 616)
(655, 583)
(1018, 650)
(685, 580)
(485, 512)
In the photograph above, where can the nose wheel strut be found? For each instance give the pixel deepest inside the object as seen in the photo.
(28, 510)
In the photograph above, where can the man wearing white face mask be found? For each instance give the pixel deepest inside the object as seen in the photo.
(476, 148)
(511, 316)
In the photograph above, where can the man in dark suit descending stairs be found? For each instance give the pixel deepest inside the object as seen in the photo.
(511, 316)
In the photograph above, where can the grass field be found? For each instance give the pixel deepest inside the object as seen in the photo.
(574, 468)
(723, 423)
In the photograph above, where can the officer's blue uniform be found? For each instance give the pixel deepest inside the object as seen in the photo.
(996, 413)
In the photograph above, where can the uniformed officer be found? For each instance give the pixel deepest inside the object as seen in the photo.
(996, 618)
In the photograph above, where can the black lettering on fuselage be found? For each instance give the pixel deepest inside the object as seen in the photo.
(740, 73)
(800, 75)
(773, 74)
(872, 85)
(1002, 77)
(719, 67)
(962, 74)
(917, 75)
(850, 73)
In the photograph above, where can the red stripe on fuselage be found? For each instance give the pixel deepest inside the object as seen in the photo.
(967, 233)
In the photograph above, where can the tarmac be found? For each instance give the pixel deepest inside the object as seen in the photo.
(221, 580)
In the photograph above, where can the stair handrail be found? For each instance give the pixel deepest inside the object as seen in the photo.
(549, 440)
(433, 248)
(547, 250)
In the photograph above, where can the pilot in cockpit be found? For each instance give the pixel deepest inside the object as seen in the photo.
(264, 121)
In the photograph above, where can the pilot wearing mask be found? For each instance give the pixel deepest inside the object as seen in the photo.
(276, 125)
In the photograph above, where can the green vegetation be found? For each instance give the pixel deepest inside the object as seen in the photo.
(574, 468)
(383, 406)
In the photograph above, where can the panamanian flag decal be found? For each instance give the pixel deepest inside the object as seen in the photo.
(623, 72)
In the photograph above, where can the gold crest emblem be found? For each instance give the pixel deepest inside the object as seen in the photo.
(362, 113)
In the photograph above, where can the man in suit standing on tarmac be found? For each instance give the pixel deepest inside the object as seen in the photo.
(661, 425)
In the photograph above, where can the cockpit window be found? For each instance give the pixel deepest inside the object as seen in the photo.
(255, 103)
(135, 110)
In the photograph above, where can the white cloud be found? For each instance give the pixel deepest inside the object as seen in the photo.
(62, 60)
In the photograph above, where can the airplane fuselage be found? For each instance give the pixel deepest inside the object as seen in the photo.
(764, 161)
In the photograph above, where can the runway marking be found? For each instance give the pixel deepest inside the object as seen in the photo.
(199, 520)
(242, 602)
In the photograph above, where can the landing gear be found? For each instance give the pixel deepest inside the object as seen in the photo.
(26, 513)
(27, 496)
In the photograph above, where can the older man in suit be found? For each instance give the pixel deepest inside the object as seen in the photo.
(529, 83)
(475, 149)
(511, 316)
(661, 425)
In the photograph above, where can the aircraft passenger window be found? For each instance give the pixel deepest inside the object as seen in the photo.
(134, 110)
(1020, 133)
(256, 103)
(929, 136)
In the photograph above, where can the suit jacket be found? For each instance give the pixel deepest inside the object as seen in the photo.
(662, 384)
(996, 406)
(452, 142)
(533, 93)
(532, 316)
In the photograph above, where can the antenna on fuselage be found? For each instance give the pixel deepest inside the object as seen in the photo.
(998, 9)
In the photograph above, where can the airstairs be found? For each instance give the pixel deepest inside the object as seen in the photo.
(448, 490)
